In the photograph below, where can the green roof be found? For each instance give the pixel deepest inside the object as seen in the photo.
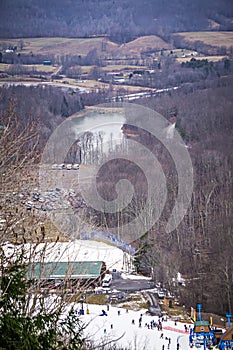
(76, 269)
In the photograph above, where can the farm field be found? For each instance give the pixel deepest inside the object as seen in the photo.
(58, 46)
(81, 46)
(115, 67)
(114, 57)
(93, 84)
(209, 58)
(145, 43)
(210, 38)
(30, 68)
(109, 68)
(85, 85)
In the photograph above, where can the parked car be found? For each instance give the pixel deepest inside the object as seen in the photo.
(61, 166)
(107, 280)
(76, 166)
(161, 294)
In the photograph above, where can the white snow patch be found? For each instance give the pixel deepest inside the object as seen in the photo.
(78, 250)
(134, 277)
(99, 329)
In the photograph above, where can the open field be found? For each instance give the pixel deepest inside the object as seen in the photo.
(108, 51)
(94, 85)
(145, 43)
(110, 68)
(30, 68)
(86, 85)
(4, 67)
(122, 67)
(209, 58)
(59, 46)
(81, 46)
(177, 52)
(210, 38)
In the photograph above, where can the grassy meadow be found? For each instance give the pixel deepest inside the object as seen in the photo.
(81, 46)
(37, 68)
(210, 38)
(209, 58)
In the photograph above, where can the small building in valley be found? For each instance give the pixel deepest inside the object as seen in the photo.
(169, 301)
(47, 63)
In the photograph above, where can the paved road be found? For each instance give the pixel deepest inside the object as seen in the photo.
(81, 89)
(130, 284)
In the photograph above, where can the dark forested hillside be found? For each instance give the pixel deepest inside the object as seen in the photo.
(121, 19)
(202, 245)
(51, 105)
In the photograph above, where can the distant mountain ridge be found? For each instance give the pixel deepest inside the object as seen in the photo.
(120, 19)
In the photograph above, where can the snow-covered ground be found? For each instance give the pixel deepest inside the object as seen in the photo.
(80, 250)
(131, 335)
(117, 325)
(134, 277)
